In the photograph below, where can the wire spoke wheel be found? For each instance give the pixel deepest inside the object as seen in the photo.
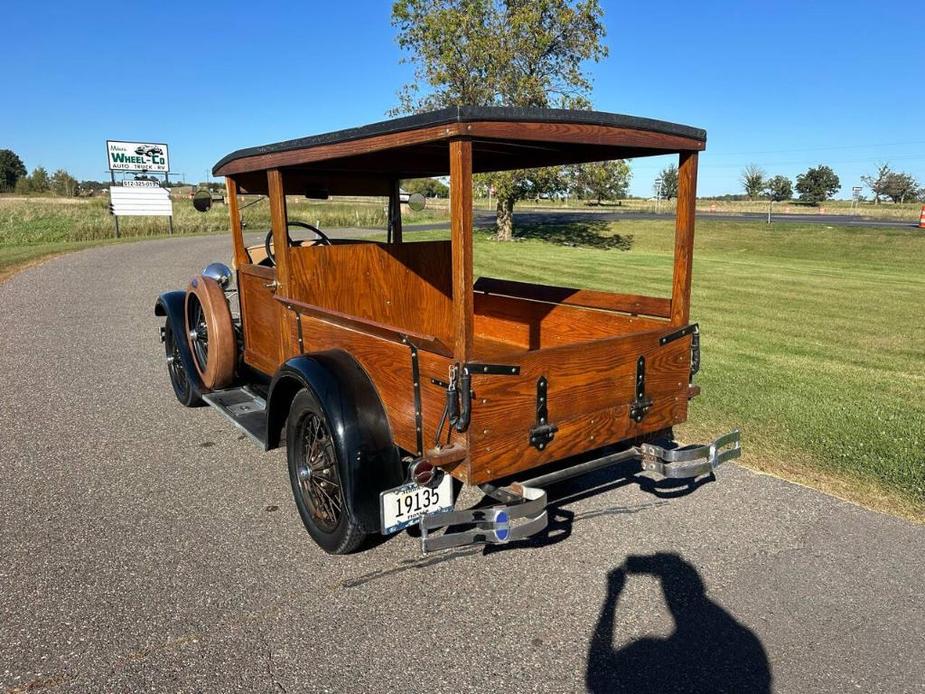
(319, 480)
(199, 331)
(178, 376)
(316, 472)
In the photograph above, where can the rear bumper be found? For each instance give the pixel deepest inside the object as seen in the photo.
(522, 512)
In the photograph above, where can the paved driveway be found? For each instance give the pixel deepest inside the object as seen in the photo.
(144, 546)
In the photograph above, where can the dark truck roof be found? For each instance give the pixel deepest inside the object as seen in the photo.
(503, 138)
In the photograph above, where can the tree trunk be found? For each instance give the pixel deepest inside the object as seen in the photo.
(505, 219)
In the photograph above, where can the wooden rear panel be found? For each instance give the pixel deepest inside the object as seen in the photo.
(590, 389)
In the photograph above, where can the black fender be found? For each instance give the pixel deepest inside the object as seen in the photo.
(172, 305)
(357, 420)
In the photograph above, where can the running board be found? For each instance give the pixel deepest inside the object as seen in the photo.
(245, 409)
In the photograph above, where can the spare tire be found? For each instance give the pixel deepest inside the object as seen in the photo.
(210, 332)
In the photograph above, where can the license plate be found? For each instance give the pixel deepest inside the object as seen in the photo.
(404, 505)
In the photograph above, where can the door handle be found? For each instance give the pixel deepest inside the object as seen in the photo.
(272, 286)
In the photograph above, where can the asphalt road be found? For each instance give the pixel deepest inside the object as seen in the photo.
(148, 547)
(527, 215)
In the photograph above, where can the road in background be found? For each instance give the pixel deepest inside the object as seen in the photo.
(150, 547)
(527, 215)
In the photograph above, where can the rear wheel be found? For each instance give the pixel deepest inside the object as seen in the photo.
(315, 475)
(179, 378)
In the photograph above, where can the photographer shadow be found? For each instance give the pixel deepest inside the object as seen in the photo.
(709, 651)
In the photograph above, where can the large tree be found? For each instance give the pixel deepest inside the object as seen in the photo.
(900, 187)
(63, 184)
(877, 183)
(500, 53)
(605, 180)
(11, 169)
(669, 185)
(779, 188)
(753, 181)
(817, 184)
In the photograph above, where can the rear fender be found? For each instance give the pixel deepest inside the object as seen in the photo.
(358, 422)
(172, 306)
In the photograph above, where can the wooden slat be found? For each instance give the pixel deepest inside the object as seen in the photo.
(461, 239)
(684, 238)
(428, 343)
(237, 233)
(583, 134)
(341, 149)
(588, 298)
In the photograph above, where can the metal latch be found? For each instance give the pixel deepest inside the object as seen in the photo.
(543, 432)
(641, 404)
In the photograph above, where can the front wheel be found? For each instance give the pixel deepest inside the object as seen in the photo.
(314, 472)
(179, 378)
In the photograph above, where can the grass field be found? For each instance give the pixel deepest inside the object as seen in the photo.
(813, 340)
(813, 337)
(33, 228)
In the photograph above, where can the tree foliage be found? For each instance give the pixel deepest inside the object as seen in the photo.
(605, 180)
(899, 186)
(817, 184)
(499, 53)
(63, 184)
(877, 182)
(753, 181)
(428, 187)
(669, 187)
(11, 170)
(779, 188)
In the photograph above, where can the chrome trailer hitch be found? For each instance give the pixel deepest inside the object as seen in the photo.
(527, 500)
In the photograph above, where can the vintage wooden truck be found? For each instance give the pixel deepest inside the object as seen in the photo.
(387, 369)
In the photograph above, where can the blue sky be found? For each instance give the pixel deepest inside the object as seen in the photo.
(785, 85)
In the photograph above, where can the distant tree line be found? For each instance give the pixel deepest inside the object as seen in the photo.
(820, 183)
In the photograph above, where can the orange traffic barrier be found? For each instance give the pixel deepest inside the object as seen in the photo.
(922, 218)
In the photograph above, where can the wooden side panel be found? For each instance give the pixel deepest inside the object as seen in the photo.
(587, 298)
(403, 285)
(537, 325)
(590, 389)
(262, 318)
(388, 365)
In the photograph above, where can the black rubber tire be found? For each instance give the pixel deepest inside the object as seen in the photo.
(179, 379)
(336, 533)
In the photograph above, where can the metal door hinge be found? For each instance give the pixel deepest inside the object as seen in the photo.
(543, 432)
(641, 404)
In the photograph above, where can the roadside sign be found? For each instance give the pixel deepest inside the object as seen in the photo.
(135, 201)
(137, 156)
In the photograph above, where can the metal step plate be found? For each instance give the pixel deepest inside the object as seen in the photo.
(245, 409)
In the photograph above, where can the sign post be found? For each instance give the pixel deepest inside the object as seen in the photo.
(139, 197)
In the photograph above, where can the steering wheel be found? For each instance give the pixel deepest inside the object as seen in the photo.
(322, 239)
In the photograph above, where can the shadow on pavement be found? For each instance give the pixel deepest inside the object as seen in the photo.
(709, 651)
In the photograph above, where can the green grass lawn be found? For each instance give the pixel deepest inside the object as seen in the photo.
(813, 339)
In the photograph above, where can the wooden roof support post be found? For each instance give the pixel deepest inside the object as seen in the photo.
(237, 233)
(278, 223)
(395, 210)
(461, 235)
(684, 238)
